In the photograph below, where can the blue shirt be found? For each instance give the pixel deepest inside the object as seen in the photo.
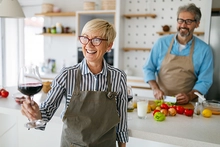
(202, 60)
(63, 85)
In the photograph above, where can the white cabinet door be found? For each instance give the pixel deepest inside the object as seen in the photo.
(135, 142)
(35, 138)
(8, 131)
(143, 93)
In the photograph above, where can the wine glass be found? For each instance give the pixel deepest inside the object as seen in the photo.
(29, 83)
(130, 100)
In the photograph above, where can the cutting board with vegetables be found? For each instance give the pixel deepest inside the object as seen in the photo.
(186, 106)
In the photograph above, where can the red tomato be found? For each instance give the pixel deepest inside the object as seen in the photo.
(155, 111)
(188, 112)
(164, 106)
(4, 93)
(173, 106)
(180, 109)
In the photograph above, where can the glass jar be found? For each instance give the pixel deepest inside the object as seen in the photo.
(197, 108)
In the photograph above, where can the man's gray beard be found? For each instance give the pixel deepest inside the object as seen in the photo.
(183, 34)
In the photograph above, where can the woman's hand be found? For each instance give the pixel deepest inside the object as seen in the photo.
(30, 109)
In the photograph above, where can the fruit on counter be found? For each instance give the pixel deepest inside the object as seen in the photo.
(207, 113)
(172, 106)
(164, 106)
(188, 112)
(180, 109)
(164, 111)
(158, 116)
(148, 108)
(158, 108)
(4, 93)
(158, 102)
(153, 106)
(155, 111)
(172, 111)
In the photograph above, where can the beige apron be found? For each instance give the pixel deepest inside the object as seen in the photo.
(177, 73)
(91, 118)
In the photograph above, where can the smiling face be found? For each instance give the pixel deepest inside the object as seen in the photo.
(97, 38)
(186, 30)
(95, 54)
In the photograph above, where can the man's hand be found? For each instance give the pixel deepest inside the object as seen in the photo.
(158, 94)
(182, 98)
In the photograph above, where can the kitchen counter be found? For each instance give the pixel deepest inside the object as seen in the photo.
(137, 82)
(179, 130)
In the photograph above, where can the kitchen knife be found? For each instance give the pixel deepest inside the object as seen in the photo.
(171, 99)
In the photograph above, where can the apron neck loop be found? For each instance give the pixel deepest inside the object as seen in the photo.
(78, 81)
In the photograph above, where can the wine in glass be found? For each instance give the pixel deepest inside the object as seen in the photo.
(130, 100)
(29, 83)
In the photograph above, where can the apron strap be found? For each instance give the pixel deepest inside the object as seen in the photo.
(77, 82)
(170, 47)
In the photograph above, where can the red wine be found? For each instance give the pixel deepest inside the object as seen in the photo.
(30, 88)
(130, 98)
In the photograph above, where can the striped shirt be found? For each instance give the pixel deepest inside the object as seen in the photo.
(63, 86)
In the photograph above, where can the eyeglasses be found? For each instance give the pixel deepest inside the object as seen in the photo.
(187, 21)
(94, 41)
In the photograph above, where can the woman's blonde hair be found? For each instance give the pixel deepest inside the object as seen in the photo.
(105, 29)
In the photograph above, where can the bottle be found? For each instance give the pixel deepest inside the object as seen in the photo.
(197, 108)
(44, 30)
(58, 28)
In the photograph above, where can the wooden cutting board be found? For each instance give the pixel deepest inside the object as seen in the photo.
(186, 106)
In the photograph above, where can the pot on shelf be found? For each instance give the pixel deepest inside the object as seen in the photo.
(166, 28)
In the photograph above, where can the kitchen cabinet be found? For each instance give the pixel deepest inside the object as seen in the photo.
(85, 16)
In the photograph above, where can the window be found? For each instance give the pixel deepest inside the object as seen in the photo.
(33, 44)
(19, 45)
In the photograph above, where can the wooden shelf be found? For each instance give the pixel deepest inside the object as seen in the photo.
(167, 33)
(216, 9)
(99, 12)
(57, 14)
(136, 49)
(139, 15)
(62, 34)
